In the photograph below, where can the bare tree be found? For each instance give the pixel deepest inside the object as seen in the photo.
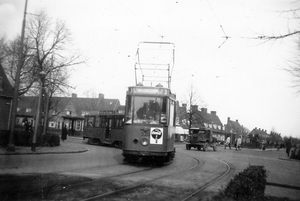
(294, 67)
(9, 60)
(49, 42)
(45, 49)
(193, 99)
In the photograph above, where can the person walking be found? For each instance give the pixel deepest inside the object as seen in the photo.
(227, 144)
(64, 133)
(288, 147)
(238, 143)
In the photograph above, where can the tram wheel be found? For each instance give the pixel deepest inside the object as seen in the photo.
(188, 147)
(199, 148)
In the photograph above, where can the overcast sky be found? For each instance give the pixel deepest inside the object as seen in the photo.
(241, 78)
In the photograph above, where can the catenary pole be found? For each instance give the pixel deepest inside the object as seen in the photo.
(11, 145)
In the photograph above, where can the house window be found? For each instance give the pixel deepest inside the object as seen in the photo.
(58, 125)
(68, 112)
(52, 125)
(28, 110)
(54, 112)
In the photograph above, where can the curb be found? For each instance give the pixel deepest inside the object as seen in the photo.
(289, 159)
(49, 152)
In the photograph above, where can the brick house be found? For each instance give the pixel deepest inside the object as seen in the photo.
(261, 133)
(69, 111)
(6, 96)
(234, 129)
(201, 119)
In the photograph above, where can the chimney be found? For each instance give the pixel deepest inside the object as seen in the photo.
(237, 121)
(228, 120)
(74, 95)
(194, 108)
(204, 110)
(101, 96)
(213, 113)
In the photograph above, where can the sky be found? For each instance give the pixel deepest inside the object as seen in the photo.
(241, 77)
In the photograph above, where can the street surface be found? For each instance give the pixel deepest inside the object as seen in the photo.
(100, 169)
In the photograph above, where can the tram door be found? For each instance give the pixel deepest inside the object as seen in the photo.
(107, 124)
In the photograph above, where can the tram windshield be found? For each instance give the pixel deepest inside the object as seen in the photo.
(151, 110)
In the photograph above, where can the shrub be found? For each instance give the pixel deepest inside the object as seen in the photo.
(50, 140)
(22, 138)
(247, 185)
(4, 137)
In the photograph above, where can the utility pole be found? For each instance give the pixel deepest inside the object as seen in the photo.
(11, 145)
(48, 99)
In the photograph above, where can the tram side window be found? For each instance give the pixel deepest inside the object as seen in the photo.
(97, 121)
(164, 116)
(91, 121)
(119, 123)
(129, 110)
(104, 122)
(172, 113)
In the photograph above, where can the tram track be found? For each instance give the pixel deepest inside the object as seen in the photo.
(146, 180)
(55, 185)
(196, 193)
(139, 184)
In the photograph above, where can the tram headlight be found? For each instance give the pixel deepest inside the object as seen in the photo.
(144, 141)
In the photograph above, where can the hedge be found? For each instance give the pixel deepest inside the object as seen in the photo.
(24, 138)
(246, 186)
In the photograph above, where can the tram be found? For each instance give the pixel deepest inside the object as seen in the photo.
(106, 128)
(149, 124)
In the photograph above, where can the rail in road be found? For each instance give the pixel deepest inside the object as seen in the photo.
(140, 186)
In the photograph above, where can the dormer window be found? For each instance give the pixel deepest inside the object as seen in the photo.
(28, 110)
(18, 109)
(68, 112)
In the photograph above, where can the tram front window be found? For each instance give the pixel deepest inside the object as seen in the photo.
(148, 110)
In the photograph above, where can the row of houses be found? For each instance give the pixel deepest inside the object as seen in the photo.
(70, 111)
(201, 118)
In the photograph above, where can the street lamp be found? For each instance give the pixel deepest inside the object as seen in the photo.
(42, 75)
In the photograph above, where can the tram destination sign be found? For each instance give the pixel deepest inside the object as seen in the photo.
(146, 90)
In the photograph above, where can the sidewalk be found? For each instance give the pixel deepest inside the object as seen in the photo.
(65, 147)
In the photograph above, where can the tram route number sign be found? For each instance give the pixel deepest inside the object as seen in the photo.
(156, 136)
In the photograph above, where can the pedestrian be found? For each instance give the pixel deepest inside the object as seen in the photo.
(238, 143)
(288, 147)
(64, 133)
(228, 143)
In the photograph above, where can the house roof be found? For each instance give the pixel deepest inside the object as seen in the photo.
(259, 131)
(78, 106)
(6, 89)
(201, 118)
